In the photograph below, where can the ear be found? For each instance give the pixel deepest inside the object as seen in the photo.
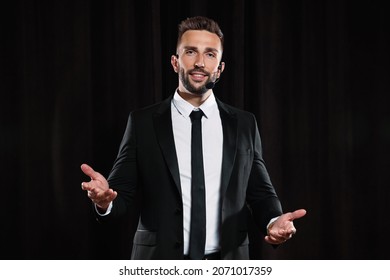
(175, 63)
(221, 67)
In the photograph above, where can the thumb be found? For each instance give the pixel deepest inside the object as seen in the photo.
(88, 170)
(297, 214)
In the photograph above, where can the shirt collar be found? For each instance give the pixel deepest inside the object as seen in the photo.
(209, 107)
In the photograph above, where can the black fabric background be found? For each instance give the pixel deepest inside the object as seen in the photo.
(315, 73)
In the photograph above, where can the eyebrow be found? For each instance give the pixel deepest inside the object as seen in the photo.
(196, 49)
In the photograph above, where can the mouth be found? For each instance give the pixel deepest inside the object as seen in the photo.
(198, 76)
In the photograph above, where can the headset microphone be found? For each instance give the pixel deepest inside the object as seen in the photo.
(211, 85)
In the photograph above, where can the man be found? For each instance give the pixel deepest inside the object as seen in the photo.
(154, 166)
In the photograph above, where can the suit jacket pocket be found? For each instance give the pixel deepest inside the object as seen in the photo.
(145, 237)
(144, 245)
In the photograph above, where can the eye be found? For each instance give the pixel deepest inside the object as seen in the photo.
(190, 52)
(211, 55)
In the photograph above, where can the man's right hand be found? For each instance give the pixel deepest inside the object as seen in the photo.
(97, 189)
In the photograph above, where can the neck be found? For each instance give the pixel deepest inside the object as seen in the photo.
(194, 99)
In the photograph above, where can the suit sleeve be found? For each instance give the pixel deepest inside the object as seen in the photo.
(123, 176)
(261, 195)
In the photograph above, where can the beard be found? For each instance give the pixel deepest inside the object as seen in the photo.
(196, 90)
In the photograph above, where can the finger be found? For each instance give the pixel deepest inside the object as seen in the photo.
(279, 235)
(287, 234)
(282, 238)
(106, 196)
(104, 200)
(288, 231)
(293, 231)
(281, 230)
(284, 234)
(290, 234)
(274, 241)
(111, 197)
(270, 240)
(91, 195)
(85, 186)
(89, 186)
(95, 194)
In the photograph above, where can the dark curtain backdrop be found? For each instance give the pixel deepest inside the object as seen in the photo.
(315, 74)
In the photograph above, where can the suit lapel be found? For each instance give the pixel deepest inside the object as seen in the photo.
(229, 127)
(162, 120)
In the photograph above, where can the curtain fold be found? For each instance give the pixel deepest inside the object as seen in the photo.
(315, 74)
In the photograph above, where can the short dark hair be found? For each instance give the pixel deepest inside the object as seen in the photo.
(199, 23)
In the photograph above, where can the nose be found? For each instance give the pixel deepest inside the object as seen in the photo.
(199, 62)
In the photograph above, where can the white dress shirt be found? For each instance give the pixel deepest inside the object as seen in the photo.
(212, 139)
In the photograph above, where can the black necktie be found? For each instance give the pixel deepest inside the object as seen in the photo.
(198, 205)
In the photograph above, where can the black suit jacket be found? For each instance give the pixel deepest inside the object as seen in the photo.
(146, 169)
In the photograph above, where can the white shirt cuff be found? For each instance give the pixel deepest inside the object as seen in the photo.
(271, 221)
(108, 211)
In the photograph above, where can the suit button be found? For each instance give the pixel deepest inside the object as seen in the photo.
(178, 211)
(178, 243)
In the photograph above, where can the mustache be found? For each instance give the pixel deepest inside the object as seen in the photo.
(199, 70)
